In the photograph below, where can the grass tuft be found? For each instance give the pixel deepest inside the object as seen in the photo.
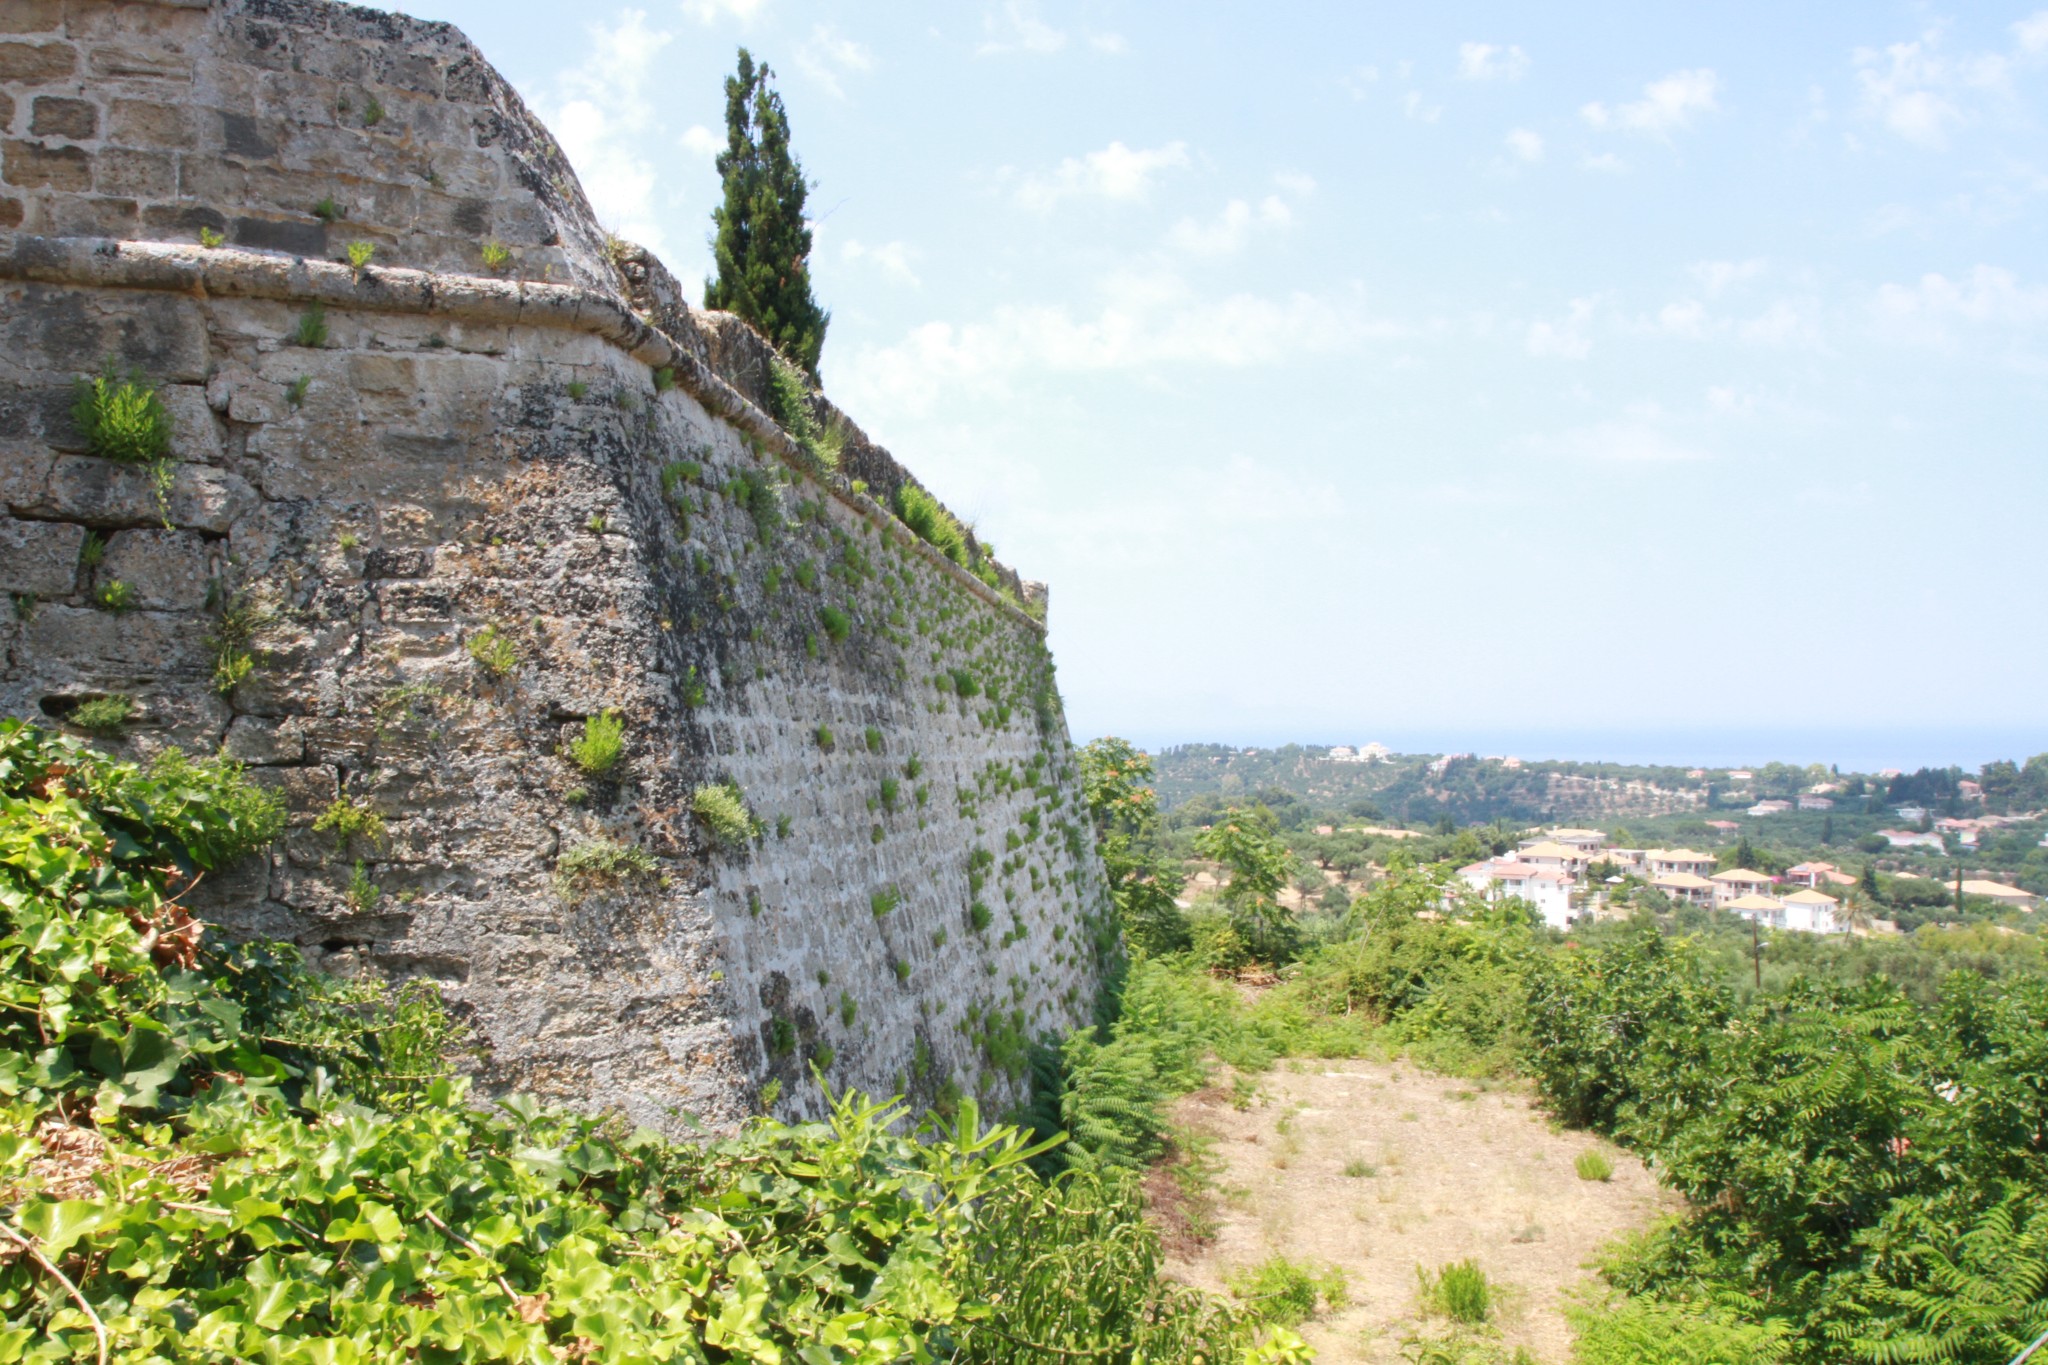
(1593, 1166)
(602, 744)
(1459, 1291)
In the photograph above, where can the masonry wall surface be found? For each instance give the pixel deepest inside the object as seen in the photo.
(466, 459)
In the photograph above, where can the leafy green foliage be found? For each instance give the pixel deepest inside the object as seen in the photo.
(1593, 1166)
(122, 418)
(1459, 1291)
(836, 622)
(103, 715)
(1116, 782)
(600, 864)
(601, 745)
(789, 403)
(359, 254)
(922, 513)
(349, 818)
(761, 243)
(1282, 1291)
(311, 329)
(493, 651)
(283, 1167)
(722, 807)
(1245, 842)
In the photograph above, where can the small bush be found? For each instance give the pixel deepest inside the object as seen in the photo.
(115, 595)
(825, 738)
(598, 864)
(922, 513)
(1459, 1291)
(884, 901)
(233, 660)
(890, 788)
(122, 419)
(836, 622)
(979, 916)
(1359, 1169)
(496, 256)
(1593, 1166)
(873, 737)
(722, 806)
(103, 715)
(602, 744)
(312, 329)
(373, 111)
(92, 550)
(902, 970)
(327, 211)
(576, 389)
(347, 818)
(493, 651)
(789, 403)
(210, 237)
(1279, 1291)
(295, 392)
(363, 894)
(359, 254)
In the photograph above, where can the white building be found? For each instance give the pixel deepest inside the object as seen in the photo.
(1546, 888)
(1685, 886)
(1738, 882)
(1663, 861)
(1813, 913)
(1765, 910)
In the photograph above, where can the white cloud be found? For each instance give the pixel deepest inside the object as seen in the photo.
(1724, 398)
(2031, 33)
(1115, 172)
(1715, 276)
(1607, 163)
(1148, 322)
(1489, 62)
(1413, 105)
(601, 114)
(1295, 183)
(1109, 44)
(710, 11)
(830, 54)
(1566, 338)
(1987, 296)
(1360, 81)
(1919, 92)
(1666, 104)
(1016, 27)
(1685, 318)
(1526, 144)
(891, 258)
(1229, 230)
(1784, 323)
(698, 140)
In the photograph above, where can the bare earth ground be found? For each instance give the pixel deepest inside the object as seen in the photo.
(1458, 1169)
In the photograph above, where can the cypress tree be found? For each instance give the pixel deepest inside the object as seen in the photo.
(762, 245)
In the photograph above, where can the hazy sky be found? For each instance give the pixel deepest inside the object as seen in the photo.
(1357, 371)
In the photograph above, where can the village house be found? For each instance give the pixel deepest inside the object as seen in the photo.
(1912, 838)
(1689, 887)
(1738, 882)
(1561, 857)
(1764, 910)
(1816, 803)
(1814, 875)
(1813, 912)
(1546, 888)
(1584, 840)
(2011, 896)
(1662, 861)
(1770, 807)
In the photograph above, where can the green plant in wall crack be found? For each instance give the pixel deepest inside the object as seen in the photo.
(103, 715)
(600, 864)
(115, 596)
(884, 901)
(229, 641)
(123, 419)
(311, 331)
(722, 809)
(836, 622)
(349, 818)
(359, 254)
(363, 894)
(493, 651)
(602, 744)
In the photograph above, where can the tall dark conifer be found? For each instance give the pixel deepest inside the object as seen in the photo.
(762, 245)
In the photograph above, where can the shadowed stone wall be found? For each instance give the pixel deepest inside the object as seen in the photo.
(565, 459)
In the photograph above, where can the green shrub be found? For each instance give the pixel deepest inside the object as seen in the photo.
(873, 737)
(363, 894)
(836, 622)
(211, 237)
(1278, 1290)
(311, 331)
(1634, 1331)
(122, 419)
(921, 512)
(327, 211)
(240, 618)
(92, 551)
(103, 715)
(602, 744)
(885, 900)
(115, 595)
(890, 788)
(496, 256)
(349, 818)
(295, 392)
(722, 807)
(789, 403)
(1359, 1169)
(1593, 1166)
(1459, 1291)
(600, 864)
(979, 916)
(823, 734)
(359, 254)
(493, 651)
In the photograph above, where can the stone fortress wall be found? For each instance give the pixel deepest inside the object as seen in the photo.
(514, 440)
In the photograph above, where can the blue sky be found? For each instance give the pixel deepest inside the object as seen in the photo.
(1358, 371)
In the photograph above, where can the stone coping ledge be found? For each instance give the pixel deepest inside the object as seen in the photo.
(233, 272)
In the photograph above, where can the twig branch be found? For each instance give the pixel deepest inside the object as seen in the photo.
(28, 1244)
(473, 1249)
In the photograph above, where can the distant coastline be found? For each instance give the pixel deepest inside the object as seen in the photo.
(1863, 749)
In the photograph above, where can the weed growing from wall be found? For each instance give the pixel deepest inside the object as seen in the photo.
(601, 745)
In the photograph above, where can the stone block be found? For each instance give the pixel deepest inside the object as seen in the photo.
(72, 332)
(36, 63)
(145, 123)
(257, 741)
(140, 60)
(140, 175)
(195, 435)
(382, 373)
(32, 166)
(31, 16)
(40, 557)
(245, 136)
(84, 216)
(168, 570)
(24, 470)
(124, 650)
(104, 493)
(56, 116)
(302, 238)
(10, 213)
(182, 221)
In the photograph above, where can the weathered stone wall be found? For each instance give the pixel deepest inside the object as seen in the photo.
(563, 467)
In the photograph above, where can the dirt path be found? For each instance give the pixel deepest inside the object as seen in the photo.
(1440, 1170)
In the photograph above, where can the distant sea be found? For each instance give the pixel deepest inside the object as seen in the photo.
(1852, 750)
